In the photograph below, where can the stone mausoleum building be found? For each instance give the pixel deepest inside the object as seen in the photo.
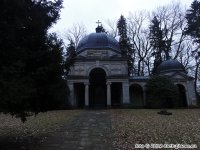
(99, 76)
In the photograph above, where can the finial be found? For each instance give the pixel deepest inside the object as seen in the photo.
(98, 22)
(99, 28)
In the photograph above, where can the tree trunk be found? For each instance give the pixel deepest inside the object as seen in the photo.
(196, 76)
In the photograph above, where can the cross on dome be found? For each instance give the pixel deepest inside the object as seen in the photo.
(98, 22)
(99, 28)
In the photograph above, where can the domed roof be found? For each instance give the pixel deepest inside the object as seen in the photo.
(170, 65)
(98, 41)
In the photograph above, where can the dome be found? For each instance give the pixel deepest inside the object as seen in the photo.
(170, 65)
(98, 41)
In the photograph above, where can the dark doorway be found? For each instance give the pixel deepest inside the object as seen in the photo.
(116, 94)
(182, 101)
(97, 88)
(79, 89)
(136, 95)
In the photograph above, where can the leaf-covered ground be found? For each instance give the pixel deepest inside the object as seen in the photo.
(141, 126)
(16, 135)
(129, 127)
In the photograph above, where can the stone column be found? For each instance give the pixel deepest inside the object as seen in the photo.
(187, 93)
(71, 95)
(108, 94)
(125, 90)
(86, 94)
(144, 96)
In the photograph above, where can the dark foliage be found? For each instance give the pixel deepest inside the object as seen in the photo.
(158, 42)
(70, 57)
(161, 92)
(124, 42)
(193, 21)
(193, 29)
(31, 66)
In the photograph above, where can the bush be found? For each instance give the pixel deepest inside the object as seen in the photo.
(161, 92)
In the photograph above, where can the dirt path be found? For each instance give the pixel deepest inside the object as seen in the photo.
(91, 130)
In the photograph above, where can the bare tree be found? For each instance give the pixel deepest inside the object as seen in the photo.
(75, 34)
(196, 67)
(138, 33)
(173, 22)
(184, 55)
(111, 28)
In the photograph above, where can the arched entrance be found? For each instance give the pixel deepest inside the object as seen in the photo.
(97, 88)
(182, 101)
(136, 95)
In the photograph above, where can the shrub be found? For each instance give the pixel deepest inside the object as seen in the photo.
(161, 92)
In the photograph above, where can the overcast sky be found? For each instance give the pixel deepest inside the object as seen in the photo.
(88, 12)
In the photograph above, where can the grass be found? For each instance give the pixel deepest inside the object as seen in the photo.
(141, 126)
(17, 135)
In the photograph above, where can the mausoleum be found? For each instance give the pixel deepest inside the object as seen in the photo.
(99, 76)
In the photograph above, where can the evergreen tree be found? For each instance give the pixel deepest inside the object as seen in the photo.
(124, 42)
(159, 44)
(122, 28)
(71, 54)
(30, 59)
(193, 29)
(51, 84)
(193, 21)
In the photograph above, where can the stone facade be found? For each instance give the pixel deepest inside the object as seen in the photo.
(110, 62)
(99, 77)
(187, 83)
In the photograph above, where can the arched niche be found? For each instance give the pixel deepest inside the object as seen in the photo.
(136, 95)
